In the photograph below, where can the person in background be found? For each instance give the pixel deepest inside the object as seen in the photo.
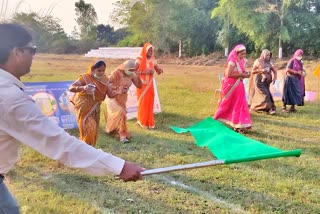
(232, 107)
(115, 110)
(147, 65)
(22, 122)
(260, 97)
(90, 90)
(294, 88)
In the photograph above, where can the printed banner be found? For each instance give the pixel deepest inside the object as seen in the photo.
(53, 100)
(132, 104)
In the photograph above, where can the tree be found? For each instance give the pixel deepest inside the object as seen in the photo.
(107, 35)
(86, 19)
(45, 30)
(272, 23)
(165, 24)
(304, 26)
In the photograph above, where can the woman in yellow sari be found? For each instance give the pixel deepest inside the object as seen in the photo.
(115, 109)
(90, 90)
(147, 65)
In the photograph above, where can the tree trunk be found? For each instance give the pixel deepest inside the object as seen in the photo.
(280, 36)
(180, 48)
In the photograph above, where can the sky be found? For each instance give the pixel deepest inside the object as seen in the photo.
(62, 9)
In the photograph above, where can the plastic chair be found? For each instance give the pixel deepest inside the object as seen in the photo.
(218, 90)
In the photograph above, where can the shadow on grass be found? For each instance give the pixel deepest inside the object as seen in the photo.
(273, 121)
(114, 196)
(97, 191)
(164, 120)
(183, 152)
(149, 148)
(245, 198)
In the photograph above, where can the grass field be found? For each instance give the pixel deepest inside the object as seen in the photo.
(283, 185)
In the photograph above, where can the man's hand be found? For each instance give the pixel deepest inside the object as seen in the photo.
(131, 172)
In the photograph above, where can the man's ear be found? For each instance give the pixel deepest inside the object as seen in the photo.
(15, 51)
(16, 54)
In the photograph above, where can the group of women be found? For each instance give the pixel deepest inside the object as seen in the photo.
(233, 108)
(93, 87)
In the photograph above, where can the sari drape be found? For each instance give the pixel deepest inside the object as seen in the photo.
(145, 95)
(87, 107)
(232, 107)
(115, 110)
(294, 85)
(260, 97)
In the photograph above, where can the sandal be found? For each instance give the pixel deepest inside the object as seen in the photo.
(124, 140)
(271, 112)
(292, 110)
(284, 110)
(240, 130)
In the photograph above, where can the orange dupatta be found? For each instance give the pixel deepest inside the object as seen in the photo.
(145, 95)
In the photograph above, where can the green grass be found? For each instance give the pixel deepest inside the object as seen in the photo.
(283, 185)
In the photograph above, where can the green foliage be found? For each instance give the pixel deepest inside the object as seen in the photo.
(46, 30)
(86, 19)
(203, 26)
(261, 22)
(165, 23)
(108, 36)
(303, 24)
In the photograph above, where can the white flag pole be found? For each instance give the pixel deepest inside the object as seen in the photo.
(181, 167)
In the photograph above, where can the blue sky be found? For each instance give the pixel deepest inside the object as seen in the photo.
(62, 9)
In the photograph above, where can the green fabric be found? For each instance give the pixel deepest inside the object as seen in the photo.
(230, 146)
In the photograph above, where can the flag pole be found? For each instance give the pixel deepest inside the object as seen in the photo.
(180, 167)
(290, 153)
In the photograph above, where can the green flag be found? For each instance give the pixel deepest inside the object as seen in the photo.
(230, 146)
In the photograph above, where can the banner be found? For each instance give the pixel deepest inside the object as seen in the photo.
(132, 104)
(53, 100)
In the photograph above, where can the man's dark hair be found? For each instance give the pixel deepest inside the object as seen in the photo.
(11, 36)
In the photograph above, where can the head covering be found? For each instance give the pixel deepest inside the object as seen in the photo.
(143, 56)
(297, 64)
(93, 64)
(297, 53)
(264, 54)
(233, 56)
(127, 65)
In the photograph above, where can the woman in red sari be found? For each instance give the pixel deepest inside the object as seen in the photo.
(90, 90)
(233, 108)
(147, 65)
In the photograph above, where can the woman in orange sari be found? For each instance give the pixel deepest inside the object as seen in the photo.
(115, 109)
(90, 90)
(147, 65)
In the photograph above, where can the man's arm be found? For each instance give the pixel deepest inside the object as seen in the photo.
(26, 123)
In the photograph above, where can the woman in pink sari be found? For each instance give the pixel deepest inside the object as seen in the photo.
(233, 108)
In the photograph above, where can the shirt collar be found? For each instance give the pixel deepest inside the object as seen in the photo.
(11, 78)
